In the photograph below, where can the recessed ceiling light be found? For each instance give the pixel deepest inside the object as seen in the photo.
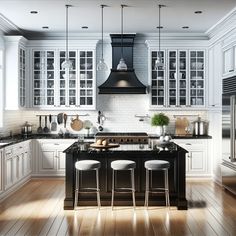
(33, 12)
(84, 27)
(45, 27)
(161, 27)
(185, 27)
(198, 12)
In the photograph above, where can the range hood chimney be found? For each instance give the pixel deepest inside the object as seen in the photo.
(126, 81)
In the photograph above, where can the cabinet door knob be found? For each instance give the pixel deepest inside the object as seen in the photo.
(188, 144)
(231, 70)
(56, 144)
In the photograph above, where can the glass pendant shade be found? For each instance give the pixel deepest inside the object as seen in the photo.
(158, 62)
(122, 65)
(102, 66)
(67, 64)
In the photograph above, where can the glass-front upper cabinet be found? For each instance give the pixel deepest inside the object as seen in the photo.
(182, 78)
(197, 78)
(86, 78)
(44, 78)
(158, 83)
(172, 78)
(177, 74)
(68, 81)
(22, 78)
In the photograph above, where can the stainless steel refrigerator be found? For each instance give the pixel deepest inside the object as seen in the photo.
(228, 166)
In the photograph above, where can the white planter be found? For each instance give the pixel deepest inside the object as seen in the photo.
(161, 130)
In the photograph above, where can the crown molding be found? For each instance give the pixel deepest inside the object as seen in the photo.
(8, 27)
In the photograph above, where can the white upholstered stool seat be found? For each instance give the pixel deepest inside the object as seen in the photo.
(123, 165)
(87, 165)
(157, 164)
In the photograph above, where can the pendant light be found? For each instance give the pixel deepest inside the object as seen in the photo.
(158, 62)
(122, 65)
(67, 64)
(102, 66)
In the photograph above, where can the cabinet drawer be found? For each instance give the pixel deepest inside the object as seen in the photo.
(191, 145)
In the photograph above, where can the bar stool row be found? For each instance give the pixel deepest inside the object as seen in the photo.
(119, 165)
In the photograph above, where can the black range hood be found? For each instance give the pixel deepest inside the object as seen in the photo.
(126, 81)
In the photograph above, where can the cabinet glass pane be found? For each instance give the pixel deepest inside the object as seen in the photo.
(86, 91)
(182, 75)
(22, 77)
(197, 77)
(68, 81)
(157, 81)
(44, 78)
(172, 78)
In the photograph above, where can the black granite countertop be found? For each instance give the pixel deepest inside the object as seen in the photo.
(6, 141)
(153, 136)
(85, 147)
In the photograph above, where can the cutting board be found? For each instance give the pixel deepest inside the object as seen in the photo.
(180, 126)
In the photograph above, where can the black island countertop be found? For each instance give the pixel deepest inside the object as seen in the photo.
(138, 153)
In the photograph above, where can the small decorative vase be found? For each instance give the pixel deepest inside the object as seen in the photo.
(159, 130)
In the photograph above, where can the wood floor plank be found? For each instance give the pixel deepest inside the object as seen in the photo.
(37, 209)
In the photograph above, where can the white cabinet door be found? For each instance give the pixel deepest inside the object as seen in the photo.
(26, 163)
(1, 171)
(196, 162)
(228, 56)
(47, 160)
(8, 173)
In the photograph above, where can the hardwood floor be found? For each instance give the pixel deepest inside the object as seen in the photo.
(37, 209)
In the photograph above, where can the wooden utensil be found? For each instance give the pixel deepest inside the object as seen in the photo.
(40, 129)
(65, 119)
(76, 124)
(46, 129)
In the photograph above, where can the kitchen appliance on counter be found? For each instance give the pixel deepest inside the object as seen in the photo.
(26, 129)
(123, 138)
(200, 127)
(228, 166)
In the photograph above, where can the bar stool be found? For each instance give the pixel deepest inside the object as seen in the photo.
(122, 165)
(87, 165)
(157, 165)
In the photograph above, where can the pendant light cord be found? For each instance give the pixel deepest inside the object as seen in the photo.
(159, 29)
(67, 52)
(122, 7)
(102, 6)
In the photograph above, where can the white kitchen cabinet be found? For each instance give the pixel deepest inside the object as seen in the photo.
(1, 171)
(17, 163)
(197, 159)
(50, 158)
(182, 82)
(229, 60)
(15, 72)
(54, 87)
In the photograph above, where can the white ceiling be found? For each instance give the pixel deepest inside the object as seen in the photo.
(140, 17)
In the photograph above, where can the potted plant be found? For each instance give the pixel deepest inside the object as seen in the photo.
(160, 121)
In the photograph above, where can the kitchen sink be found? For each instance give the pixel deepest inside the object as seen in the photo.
(4, 143)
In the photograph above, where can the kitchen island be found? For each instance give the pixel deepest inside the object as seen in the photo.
(138, 153)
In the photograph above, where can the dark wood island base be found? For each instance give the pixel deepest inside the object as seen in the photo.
(170, 152)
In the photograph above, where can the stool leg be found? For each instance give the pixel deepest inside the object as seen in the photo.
(167, 189)
(76, 188)
(147, 188)
(113, 188)
(133, 187)
(98, 189)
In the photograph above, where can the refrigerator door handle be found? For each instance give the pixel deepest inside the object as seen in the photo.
(232, 128)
